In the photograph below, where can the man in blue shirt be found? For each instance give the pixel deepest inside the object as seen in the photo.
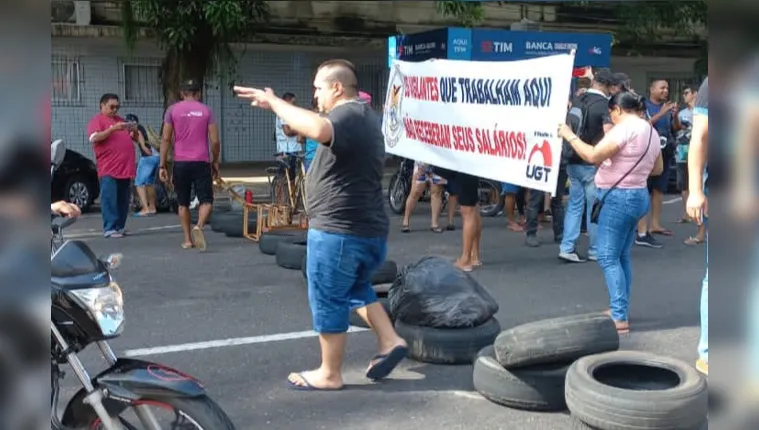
(662, 114)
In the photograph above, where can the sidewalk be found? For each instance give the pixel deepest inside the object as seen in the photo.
(253, 177)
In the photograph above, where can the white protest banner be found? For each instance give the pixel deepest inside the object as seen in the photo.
(495, 120)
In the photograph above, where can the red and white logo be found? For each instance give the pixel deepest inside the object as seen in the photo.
(540, 171)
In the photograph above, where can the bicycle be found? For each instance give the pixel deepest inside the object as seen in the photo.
(284, 189)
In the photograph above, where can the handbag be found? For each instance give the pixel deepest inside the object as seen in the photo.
(599, 204)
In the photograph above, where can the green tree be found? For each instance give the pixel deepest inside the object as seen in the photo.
(195, 35)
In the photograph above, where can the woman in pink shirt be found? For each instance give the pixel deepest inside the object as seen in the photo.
(627, 155)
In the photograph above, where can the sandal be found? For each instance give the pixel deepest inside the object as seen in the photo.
(198, 239)
(436, 229)
(662, 232)
(683, 221)
(623, 327)
(405, 229)
(693, 241)
(187, 246)
(450, 227)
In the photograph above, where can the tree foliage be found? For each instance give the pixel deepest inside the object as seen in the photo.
(195, 35)
(466, 13)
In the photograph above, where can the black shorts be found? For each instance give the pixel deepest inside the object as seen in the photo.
(661, 183)
(466, 188)
(193, 174)
(682, 177)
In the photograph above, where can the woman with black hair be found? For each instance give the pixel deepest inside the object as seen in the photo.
(627, 155)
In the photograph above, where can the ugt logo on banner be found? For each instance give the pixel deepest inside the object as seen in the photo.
(540, 172)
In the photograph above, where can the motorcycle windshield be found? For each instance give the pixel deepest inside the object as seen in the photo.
(75, 258)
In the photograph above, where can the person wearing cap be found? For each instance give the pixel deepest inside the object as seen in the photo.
(144, 182)
(191, 123)
(112, 144)
(582, 189)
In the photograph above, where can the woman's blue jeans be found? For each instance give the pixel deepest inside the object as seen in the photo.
(617, 223)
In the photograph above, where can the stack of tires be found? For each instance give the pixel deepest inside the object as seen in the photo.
(288, 246)
(229, 221)
(447, 345)
(574, 363)
(381, 281)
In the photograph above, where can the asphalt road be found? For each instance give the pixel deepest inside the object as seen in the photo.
(234, 294)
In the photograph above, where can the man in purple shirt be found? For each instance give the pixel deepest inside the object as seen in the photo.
(192, 125)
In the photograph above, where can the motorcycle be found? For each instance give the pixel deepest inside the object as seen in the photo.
(399, 188)
(88, 308)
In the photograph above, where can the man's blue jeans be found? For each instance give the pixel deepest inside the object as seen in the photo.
(622, 210)
(115, 195)
(582, 194)
(339, 269)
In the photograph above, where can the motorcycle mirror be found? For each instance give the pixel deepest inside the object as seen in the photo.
(112, 261)
(57, 152)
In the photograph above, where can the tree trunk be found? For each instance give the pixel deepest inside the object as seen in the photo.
(179, 66)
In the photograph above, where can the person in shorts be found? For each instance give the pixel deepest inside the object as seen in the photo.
(348, 225)
(424, 176)
(147, 167)
(466, 189)
(192, 125)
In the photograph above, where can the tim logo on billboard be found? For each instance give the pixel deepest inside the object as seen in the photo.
(539, 162)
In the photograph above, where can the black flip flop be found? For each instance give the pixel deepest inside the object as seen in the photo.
(387, 363)
(307, 386)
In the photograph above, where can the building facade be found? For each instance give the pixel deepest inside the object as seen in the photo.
(89, 60)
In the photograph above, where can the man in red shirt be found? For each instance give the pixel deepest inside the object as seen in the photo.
(115, 157)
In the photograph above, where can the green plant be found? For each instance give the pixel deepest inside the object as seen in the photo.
(195, 35)
(466, 13)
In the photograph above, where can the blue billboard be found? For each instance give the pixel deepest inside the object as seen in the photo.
(498, 45)
(591, 49)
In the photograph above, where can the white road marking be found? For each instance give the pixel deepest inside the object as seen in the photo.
(222, 343)
(466, 394)
(98, 233)
(669, 202)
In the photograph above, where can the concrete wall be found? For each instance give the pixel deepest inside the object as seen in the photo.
(247, 135)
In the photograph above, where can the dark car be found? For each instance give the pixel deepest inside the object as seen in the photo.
(76, 181)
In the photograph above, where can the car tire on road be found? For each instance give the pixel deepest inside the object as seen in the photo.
(555, 340)
(536, 388)
(449, 345)
(80, 191)
(290, 253)
(194, 215)
(357, 321)
(386, 274)
(230, 223)
(269, 241)
(632, 389)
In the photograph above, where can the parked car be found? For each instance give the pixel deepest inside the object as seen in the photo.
(76, 181)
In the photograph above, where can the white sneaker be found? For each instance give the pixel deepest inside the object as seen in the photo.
(194, 203)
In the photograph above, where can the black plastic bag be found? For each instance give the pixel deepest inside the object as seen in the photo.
(434, 293)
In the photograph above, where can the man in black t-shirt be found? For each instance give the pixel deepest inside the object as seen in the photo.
(347, 238)
(582, 188)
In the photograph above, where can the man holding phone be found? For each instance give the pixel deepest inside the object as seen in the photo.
(110, 136)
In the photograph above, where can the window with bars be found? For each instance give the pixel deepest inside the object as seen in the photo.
(65, 81)
(142, 83)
